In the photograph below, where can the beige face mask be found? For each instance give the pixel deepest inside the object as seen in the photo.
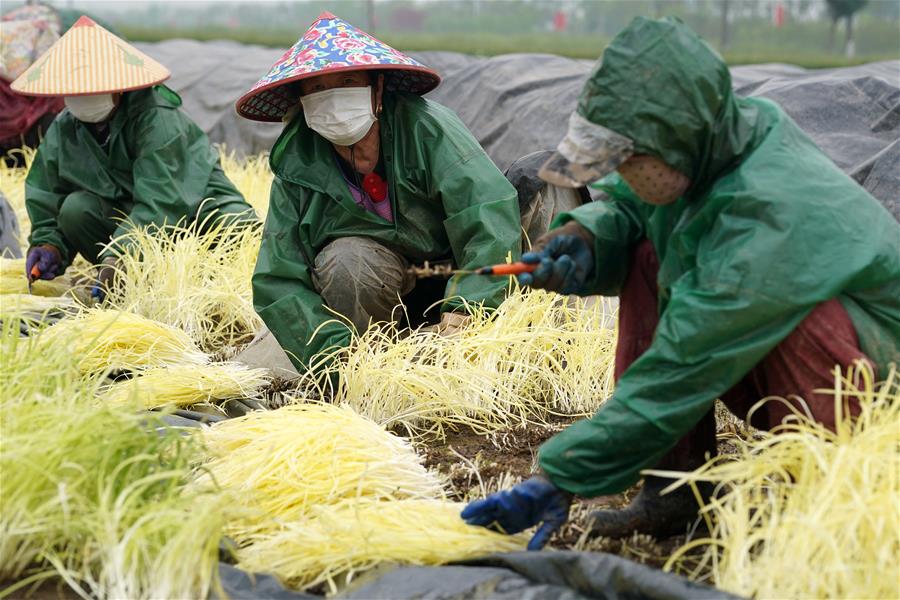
(653, 180)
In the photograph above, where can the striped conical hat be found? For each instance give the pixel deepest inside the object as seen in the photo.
(88, 59)
(332, 44)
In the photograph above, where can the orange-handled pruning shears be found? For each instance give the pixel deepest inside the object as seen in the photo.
(515, 268)
(35, 274)
(446, 270)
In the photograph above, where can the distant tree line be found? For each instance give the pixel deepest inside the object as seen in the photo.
(721, 21)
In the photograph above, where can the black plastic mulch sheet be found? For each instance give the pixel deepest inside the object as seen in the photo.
(512, 576)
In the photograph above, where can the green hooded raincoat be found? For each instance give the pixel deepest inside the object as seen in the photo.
(769, 229)
(448, 200)
(157, 166)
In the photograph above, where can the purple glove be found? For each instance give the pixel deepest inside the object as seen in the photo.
(531, 502)
(46, 258)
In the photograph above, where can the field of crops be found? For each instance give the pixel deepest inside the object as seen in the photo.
(367, 460)
(756, 48)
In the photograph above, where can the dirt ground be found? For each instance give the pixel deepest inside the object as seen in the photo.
(475, 465)
(49, 589)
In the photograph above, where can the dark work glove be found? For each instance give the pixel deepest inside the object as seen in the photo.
(524, 505)
(565, 256)
(46, 258)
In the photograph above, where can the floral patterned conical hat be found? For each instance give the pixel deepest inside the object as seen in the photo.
(331, 44)
(88, 59)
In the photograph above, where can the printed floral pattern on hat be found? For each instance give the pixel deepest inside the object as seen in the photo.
(332, 44)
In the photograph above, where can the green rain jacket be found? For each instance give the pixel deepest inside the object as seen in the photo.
(448, 200)
(769, 229)
(157, 165)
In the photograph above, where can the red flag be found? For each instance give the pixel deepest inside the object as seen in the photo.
(560, 21)
(778, 15)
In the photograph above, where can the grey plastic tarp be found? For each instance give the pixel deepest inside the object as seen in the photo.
(9, 230)
(511, 576)
(520, 103)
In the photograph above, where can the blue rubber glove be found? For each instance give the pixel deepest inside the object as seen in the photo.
(47, 259)
(531, 502)
(566, 259)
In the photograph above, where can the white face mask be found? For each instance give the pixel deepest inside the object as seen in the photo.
(90, 109)
(343, 116)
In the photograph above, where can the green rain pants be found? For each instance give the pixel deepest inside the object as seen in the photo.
(88, 221)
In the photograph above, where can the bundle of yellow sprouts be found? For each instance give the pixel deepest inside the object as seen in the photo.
(537, 355)
(252, 177)
(196, 281)
(17, 304)
(335, 542)
(281, 463)
(806, 512)
(12, 185)
(13, 280)
(183, 385)
(110, 340)
(323, 492)
(92, 494)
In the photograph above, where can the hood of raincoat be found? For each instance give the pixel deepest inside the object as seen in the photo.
(661, 86)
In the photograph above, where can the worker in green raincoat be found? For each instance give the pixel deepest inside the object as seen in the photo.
(370, 179)
(747, 265)
(121, 155)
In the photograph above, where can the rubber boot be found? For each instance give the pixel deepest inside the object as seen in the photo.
(660, 516)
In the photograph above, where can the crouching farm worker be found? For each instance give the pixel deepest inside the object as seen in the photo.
(121, 155)
(747, 265)
(370, 178)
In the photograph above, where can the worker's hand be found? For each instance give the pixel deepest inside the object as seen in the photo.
(108, 269)
(565, 256)
(531, 502)
(46, 258)
(452, 323)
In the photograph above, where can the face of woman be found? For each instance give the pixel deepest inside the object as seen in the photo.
(343, 107)
(328, 81)
(654, 181)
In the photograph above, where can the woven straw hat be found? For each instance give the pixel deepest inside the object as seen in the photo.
(329, 45)
(88, 59)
